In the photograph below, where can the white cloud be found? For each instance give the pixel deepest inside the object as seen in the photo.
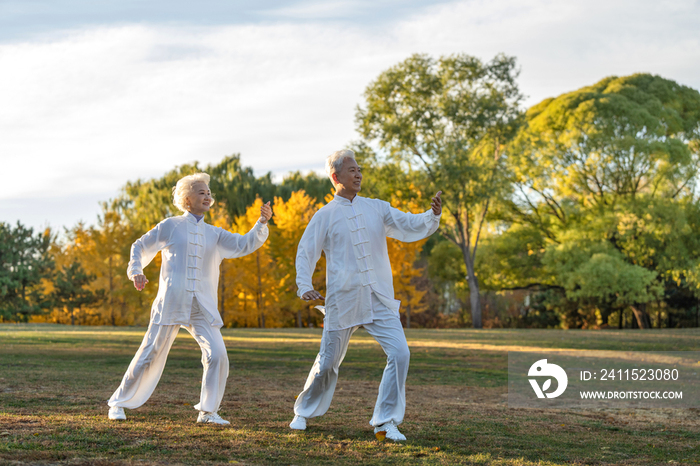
(90, 109)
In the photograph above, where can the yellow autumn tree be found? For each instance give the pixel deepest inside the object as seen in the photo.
(111, 242)
(247, 284)
(72, 277)
(403, 257)
(227, 293)
(102, 251)
(291, 219)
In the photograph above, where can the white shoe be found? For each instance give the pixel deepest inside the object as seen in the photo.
(117, 413)
(298, 423)
(392, 432)
(211, 418)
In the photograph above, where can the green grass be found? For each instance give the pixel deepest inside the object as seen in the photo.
(55, 380)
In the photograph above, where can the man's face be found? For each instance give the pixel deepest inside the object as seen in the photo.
(349, 178)
(199, 198)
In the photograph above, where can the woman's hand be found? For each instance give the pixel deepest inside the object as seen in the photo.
(265, 212)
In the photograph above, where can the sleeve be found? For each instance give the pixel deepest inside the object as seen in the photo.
(145, 249)
(308, 254)
(409, 227)
(232, 245)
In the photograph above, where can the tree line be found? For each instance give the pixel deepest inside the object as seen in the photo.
(579, 212)
(80, 278)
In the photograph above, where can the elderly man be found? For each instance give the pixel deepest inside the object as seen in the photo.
(352, 231)
(189, 275)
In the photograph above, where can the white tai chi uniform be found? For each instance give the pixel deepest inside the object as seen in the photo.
(359, 292)
(189, 276)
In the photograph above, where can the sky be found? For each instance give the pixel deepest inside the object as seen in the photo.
(97, 93)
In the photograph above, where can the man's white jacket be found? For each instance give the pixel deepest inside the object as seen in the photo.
(191, 254)
(353, 236)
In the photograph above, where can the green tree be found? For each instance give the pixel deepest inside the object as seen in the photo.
(314, 185)
(237, 186)
(451, 117)
(611, 166)
(598, 274)
(24, 263)
(147, 202)
(71, 292)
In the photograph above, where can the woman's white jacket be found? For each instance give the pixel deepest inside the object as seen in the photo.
(191, 254)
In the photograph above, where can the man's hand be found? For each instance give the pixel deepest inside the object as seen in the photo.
(265, 212)
(436, 204)
(140, 282)
(312, 296)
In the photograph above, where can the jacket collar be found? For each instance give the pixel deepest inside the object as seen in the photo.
(191, 218)
(344, 201)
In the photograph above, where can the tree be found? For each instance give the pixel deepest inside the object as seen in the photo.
(24, 263)
(598, 273)
(102, 250)
(110, 246)
(452, 117)
(252, 278)
(314, 185)
(609, 163)
(618, 139)
(291, 218)
(225, 294)
(70, 290)
(150, 201)
(237, 186)
(403, 257)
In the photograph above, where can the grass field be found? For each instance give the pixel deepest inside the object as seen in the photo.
(55, 380)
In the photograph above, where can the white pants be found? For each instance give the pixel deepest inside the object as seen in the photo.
(145, 369)
(386, 328)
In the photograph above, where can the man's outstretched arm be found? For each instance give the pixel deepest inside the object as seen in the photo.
(413, 227)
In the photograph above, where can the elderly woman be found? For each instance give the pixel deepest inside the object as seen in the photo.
(189, 275)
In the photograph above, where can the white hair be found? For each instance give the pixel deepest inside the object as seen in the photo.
(183, 188)
(334, 162)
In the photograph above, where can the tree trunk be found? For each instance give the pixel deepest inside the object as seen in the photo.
(408, 316)
(260, 293)
(72, 316)
(640, 313)
(299, 323)
(473, 288)
(111, 295)
(474, 300)
(245, 306)
(122, 306)
(24, 301)
(619, 321)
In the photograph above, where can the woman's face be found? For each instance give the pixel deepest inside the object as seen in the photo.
(199, 200)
